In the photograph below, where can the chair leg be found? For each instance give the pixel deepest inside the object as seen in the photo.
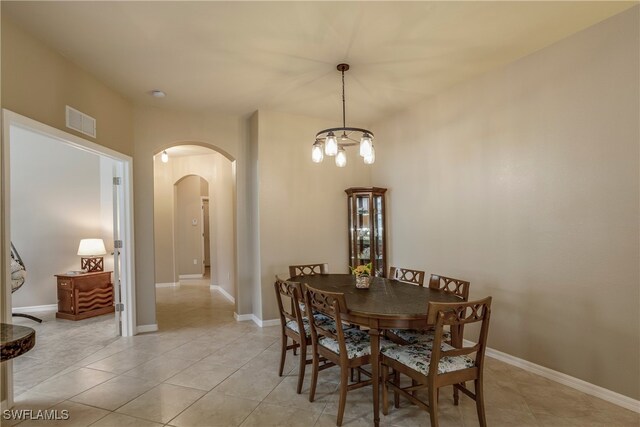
(456, 394)
(353, 375)
(433, 406)
(283, 353)
(414, 383)
(295, 348)
(314, 376)
(303, 364)
(385, 389)
(480, 403)
(344, 382)
(396, 395)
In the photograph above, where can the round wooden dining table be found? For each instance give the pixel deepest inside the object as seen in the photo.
(386, 304)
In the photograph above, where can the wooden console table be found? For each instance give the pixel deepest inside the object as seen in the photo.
(84, 295)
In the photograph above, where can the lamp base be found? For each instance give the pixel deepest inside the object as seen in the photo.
(92, 264)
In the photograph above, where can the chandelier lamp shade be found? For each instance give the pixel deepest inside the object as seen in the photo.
(332, 142)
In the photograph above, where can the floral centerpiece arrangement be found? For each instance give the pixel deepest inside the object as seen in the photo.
(363, 275)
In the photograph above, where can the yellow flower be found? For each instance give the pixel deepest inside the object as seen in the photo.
(361, 270)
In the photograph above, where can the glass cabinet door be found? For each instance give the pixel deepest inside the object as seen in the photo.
(367, 242)
(378, 242)
(362, 229)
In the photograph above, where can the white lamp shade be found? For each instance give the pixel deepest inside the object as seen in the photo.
(341, 158)
(371, 157)
(164, 157)
(365, 145)
(91, 247)
(316, 153)
(331, 145)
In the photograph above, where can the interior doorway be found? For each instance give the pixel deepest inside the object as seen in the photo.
(114, 222)
(194, 220)
(206, 237)
(89, 198)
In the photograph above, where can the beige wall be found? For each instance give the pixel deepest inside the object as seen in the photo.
(38, 83)
(47, 178)
(526, 182)
(251, 228)
(166, 271)
(155, 130)
(188, 191)
(302, 205)
(217, 171)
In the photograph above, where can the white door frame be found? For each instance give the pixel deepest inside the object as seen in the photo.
(202, 199)
(127, 275)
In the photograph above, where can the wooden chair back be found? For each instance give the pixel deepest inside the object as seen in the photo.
(308, 269)
(407, 275)
(459, 288)
(331, 304)
(289, 309)
(457, 315)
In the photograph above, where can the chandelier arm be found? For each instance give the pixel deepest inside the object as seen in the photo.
(345, 129)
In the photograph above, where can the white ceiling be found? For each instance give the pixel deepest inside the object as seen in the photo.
(237, 57)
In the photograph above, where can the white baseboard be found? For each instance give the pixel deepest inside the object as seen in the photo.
(190, 276)
(573, 382)
(242, 317)
(224, 293)
(266, 323)
(146, 328)
(35, 308)
(254, 318)
(168, 285)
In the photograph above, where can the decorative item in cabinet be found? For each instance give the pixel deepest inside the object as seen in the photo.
(367, 234)
(84, 295)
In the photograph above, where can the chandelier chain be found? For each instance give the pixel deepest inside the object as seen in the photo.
(344, 116)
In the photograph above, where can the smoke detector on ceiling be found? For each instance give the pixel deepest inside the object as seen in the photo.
(156, 93)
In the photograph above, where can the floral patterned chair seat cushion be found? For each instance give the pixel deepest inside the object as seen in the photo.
(418, 357)
(356, 341)
(321, 319)
(415, 336)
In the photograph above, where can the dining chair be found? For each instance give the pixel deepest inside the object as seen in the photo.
(435, 364)
(308, 269)
(457, 287)
(295, 325)
(348, 348)
(449, 285)
(415, 277)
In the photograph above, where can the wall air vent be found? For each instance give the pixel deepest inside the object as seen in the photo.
(80, 122)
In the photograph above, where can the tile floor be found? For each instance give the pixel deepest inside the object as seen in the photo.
(204, 369)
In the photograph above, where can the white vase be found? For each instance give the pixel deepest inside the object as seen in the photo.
(363, 282)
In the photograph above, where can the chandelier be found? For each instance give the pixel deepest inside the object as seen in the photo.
(328, 144)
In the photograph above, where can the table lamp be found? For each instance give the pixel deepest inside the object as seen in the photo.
(89, 250)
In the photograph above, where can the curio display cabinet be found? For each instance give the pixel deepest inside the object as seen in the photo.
(367, 238)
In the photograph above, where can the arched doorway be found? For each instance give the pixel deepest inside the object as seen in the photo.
(191, 175)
